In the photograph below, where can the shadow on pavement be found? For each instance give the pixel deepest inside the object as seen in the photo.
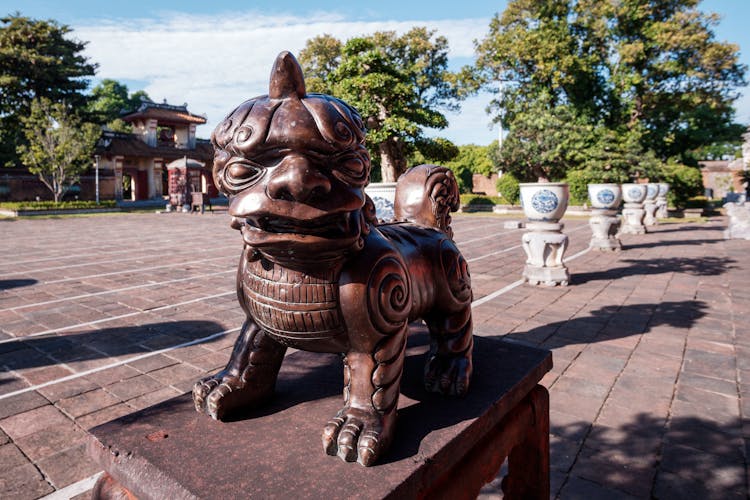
(682, 228)
(8, 284)
(703, 266)
(613, 322)
(686, 457)
(669, 243)
(41, 351)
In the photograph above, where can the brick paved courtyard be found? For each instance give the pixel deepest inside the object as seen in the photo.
(101, 316)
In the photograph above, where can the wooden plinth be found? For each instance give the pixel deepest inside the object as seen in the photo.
(443, 448)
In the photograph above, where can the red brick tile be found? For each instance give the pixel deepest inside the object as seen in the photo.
(88, 402)
(68, 466)
(29, 422)
(24, 482)
(51, 440)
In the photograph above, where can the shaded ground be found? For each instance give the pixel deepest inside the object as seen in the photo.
(102, 316)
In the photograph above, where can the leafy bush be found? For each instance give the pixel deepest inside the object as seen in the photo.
(479, 199)
(685, 182)
(464, 178)
(507, 186)
(51, 205)
(578, 181)
(696, 202)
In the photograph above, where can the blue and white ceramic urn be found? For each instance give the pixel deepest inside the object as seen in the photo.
(606, 196)
(544, 201)
(634, 193)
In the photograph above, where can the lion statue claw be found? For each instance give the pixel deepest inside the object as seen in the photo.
(318, 272)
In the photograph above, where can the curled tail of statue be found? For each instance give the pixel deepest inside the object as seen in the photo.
(426, 195)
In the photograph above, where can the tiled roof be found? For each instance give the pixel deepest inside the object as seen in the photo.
(130, 145)
(164, 113)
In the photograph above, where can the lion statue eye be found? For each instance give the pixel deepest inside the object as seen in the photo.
(351, 170)
(239, 175)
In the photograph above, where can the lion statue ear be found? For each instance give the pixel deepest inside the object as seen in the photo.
(286, 78)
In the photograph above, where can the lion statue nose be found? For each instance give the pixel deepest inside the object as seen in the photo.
(296, 179)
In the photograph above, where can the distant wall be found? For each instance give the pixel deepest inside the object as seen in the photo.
(24, 186)
(486, 185)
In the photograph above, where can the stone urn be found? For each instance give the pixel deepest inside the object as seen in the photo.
(544, 204)
(605, 200)
(661, 201)
(650, 204)
(632, 215)
(383, 195)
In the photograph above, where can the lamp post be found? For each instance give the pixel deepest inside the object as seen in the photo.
(96, 177)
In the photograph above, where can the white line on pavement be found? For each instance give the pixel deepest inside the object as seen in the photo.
(74, 489)
(148, 255)
(138, 270)
(504, 250)
(112, 318)
(466, 242)
(117, 363)
(476, 303)
(116, 290)
(497, 293)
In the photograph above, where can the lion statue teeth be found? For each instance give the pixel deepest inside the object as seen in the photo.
(319, 273)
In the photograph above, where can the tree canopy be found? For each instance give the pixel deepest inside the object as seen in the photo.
(38, 59)
(399, 84)
(616, 79)
(110, 99)
(58, 145)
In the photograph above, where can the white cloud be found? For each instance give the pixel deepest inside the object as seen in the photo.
(215, 62)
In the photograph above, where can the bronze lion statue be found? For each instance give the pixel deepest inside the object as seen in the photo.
(318, 271)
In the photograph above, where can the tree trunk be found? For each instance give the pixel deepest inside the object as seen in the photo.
(539, 173)
(636, 113)
(392, 160)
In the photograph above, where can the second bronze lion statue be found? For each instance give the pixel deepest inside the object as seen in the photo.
(319, 273)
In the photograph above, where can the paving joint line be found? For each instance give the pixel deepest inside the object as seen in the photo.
(141, 356)
(117, 290)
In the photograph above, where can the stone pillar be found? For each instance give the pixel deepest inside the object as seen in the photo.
(649, 213)
(661, 208)
(649, 206)
(545, 245)
(632, 216)
(156, 175)
(118, 177)
(151, 138)
(604, 227)
(661, 201)
(191, 136)
(150, 183)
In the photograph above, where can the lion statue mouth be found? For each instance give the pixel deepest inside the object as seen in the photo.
(322, 238)
(329, 226)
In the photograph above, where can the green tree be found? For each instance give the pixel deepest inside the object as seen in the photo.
(59, 146)
(507, 186)
(543, 143)
(399, 84)
(37, 59)
(477, 159)
(647, 74)
(684, 182)
(110, 99)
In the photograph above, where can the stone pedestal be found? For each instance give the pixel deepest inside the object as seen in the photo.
(545, 245)
(739, 221)
(445, 447)
(661, 208)
(632, 219)
(604, 227)
(649, 217)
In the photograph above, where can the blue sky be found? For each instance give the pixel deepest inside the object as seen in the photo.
(215, 54)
